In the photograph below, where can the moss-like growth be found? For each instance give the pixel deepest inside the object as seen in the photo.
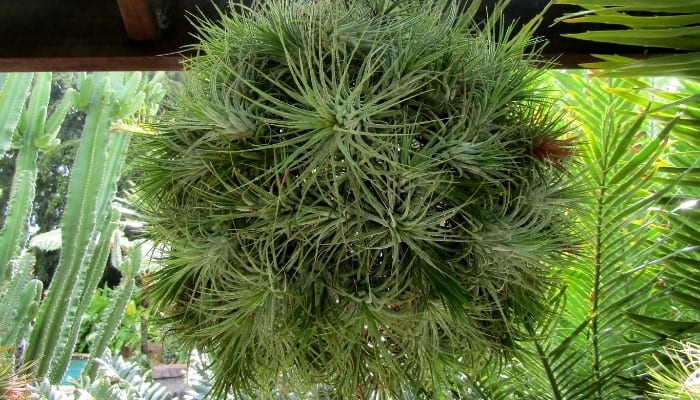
(361, 193)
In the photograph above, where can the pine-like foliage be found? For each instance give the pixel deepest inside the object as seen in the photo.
(366, 194)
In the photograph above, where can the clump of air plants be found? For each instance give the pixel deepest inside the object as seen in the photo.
(364, 194)
(13, 380)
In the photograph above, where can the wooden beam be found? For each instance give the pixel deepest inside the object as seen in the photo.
(89, 62)
(50, 35)
(139, 20)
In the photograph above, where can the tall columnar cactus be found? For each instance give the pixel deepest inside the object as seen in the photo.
(27, 128)
(30, 131)
(113, 315)
(20, 301)
(14, 89)
(86, 225)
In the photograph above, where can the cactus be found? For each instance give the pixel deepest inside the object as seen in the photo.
(114, 314)
(33, 132)
(14, 89)
(85, 226)
(10, 291)
(78, 224)
(88, 219)
(84, 290)
(30, 131)
(20, 298)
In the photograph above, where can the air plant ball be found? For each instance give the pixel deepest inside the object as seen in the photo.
(364, 194)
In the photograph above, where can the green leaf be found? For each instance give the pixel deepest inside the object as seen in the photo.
(667, 327)
(643, 156)
(676, 65)
(679, 38)
(631, 21)
(679, 6)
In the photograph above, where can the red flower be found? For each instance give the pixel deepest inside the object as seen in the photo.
(553, 150)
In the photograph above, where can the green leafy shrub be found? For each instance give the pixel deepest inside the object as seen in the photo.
(368, 194)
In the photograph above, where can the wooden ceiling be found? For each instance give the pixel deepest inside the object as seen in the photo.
(93, 35)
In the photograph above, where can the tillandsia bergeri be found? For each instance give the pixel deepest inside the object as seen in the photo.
(368, 194)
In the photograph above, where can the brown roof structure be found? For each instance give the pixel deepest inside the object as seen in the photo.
(82, 35)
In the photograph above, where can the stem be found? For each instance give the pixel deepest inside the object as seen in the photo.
(597, 270)
(547, 367)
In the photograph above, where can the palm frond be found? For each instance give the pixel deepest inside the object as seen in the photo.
(596, 349)
(645, 23)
